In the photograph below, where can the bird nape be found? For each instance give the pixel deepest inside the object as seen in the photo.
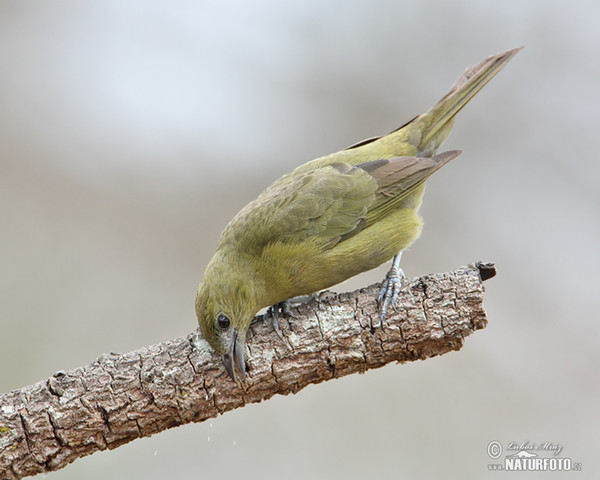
(328, 220)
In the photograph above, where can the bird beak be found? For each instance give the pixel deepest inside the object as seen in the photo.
(234, 358)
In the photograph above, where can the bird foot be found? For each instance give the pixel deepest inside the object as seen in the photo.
(388, 295)
(275, 310)
(285, 308)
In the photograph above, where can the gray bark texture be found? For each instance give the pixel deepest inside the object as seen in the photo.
(121, 397)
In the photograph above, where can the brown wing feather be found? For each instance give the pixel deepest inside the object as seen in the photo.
(398, 177)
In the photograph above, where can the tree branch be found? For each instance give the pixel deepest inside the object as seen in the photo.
(121, 397)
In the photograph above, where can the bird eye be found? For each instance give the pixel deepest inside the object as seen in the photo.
(223, 322)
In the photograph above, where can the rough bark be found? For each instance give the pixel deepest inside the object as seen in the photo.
(121, 397)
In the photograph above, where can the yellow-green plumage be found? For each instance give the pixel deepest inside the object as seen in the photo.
(328, 220)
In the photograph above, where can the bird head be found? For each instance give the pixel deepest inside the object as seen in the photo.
(225, 306)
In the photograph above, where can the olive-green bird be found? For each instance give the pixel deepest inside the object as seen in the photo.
(328, 220)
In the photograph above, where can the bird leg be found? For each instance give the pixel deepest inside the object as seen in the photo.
(391, 287)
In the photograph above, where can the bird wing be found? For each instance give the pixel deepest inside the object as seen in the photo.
(327, 205)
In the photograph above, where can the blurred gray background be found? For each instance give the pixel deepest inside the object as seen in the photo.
(131, 133)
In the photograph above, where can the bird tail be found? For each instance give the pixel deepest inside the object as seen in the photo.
(436, 123)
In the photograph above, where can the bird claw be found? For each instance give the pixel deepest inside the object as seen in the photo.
(388, 295)
(273, 312)
(285, 308)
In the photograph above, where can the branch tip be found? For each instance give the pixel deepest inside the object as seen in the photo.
(487, 270)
